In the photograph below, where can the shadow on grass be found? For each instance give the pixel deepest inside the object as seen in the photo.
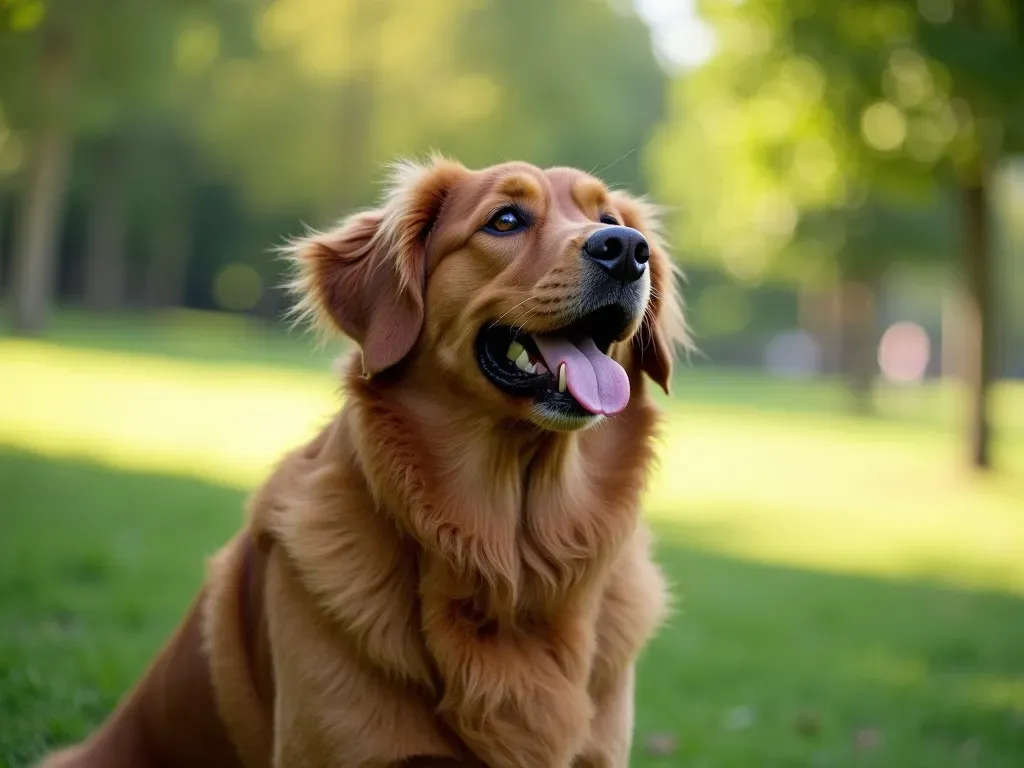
(760, 665)
(770, 665)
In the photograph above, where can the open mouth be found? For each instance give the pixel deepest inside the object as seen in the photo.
(567, 370)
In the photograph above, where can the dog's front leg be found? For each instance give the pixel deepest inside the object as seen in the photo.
(332, 707)
(611, 730)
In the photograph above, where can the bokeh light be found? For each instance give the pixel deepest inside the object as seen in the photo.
(883, 126)
(238, 287)
(904, 352)
(936, 11)
(793, 355)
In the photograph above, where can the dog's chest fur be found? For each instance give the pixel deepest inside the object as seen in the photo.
(505, 609)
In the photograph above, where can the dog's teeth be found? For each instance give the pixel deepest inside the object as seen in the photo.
(523, 361)
(561, 378)
(515, 349)
(531, 368)
(540, 368)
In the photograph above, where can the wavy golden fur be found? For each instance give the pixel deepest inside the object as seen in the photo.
(443, 576)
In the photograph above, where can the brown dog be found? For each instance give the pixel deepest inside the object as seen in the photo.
(453, 572)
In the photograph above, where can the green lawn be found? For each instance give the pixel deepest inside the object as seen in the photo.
(847, 594)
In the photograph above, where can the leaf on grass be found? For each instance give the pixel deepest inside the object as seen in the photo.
(660, 744)
(867, 739)
(807, 723)
(740, 718)
(970, 749)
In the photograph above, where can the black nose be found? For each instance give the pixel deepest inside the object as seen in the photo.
(622, 251)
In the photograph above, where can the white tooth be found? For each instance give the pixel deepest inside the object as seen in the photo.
(514, 350)
(523, 361)
(540, 368)
(531, 368)
(561, 378)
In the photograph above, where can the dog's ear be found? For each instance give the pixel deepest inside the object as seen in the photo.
(366, 278)
(664, 327)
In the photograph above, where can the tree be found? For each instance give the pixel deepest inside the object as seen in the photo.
(36, 237)
(79, 75)
(981, 46)
(338, 89)
(167, 214)
(106, 241)
(810, 109)
(298, 104)
(864, 240)
(244, 120)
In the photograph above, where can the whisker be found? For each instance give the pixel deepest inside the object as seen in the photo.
(512, 309)
(614, 162)
(524, 317)
(647, 323)
(531, 314)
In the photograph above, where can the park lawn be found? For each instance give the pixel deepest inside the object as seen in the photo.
(846, 594)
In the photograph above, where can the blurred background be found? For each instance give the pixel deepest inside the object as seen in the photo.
(840, 499)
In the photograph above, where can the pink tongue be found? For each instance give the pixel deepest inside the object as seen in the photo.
(599, 383)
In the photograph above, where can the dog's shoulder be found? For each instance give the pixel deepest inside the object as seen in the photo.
(634, 604)
(344, 554)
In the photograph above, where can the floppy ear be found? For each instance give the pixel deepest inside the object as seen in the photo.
(366, 278)
(664, 327)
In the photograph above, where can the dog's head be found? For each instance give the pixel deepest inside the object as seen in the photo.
(538, 294)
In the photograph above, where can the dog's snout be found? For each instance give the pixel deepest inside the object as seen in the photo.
(622, 251)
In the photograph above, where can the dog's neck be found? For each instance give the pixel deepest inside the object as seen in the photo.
(502, 508)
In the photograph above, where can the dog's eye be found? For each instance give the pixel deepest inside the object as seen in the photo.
(607, 218)
(505, 221)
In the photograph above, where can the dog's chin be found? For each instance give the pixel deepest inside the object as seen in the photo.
(511, 360)
(554, 417)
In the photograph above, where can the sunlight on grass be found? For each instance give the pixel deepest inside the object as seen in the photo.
(839, 494)
(225, 423)
(813, 489)
(997, 692)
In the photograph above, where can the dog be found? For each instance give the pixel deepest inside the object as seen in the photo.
(453, 571)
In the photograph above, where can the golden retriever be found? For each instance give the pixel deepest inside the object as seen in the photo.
(453, 572)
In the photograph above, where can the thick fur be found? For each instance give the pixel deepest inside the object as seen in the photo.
(437, 578)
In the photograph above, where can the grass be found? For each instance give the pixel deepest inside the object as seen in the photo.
(210, 337)
(847, 594)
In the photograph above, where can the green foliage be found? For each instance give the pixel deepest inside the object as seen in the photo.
(815, 117)
(265, 116)
(21, 15)
(338, 89)
(120, 53)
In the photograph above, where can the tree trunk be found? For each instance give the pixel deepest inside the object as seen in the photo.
(4, 269)
(34, 262)
(979, 316)
(952, 334)
(857, 345)
(170, 249)
(818, 317)
(106, 243)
